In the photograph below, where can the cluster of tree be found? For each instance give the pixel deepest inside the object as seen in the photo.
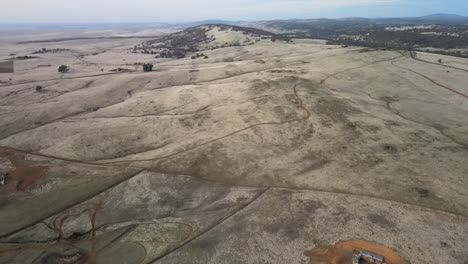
(177, 45)
(119, 70)
(235, 44)
(332, 28)
(368, 33)
(45, 50)
(178, 54)
(253, 32)
(26, 57)
(199, 55)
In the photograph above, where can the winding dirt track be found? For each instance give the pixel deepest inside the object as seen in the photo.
(431, 80)
(242, 207)
(120, 101)
(113, 164)
(133, 72)
(304, 118)
(414, 56)
(301, 105)
(355, 68)
(64, 78)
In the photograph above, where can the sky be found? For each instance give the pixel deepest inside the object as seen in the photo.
(128, 11)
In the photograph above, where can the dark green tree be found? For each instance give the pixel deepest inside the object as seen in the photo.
(147, 67)
(63, 68)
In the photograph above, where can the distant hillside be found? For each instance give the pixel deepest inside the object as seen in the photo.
(441, 33)
(214, 22)
(446, 18)
(205, 37)
(345, 23)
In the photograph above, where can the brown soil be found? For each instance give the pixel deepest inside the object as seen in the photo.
(342, 251)
(25, 173)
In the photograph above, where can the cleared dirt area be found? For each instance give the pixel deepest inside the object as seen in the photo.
(255, 154)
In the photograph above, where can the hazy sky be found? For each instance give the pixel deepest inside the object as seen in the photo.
(96, 11)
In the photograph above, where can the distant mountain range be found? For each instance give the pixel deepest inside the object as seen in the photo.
(429, 19)
(444, 18)
(434, 18)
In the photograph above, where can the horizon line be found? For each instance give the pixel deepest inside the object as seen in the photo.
(213, 19)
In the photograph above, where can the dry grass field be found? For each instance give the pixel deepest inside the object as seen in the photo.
(256, 154)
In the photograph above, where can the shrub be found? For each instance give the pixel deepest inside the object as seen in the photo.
(440, 60)
(38, 88)
(120, 70)
(63, 68)
(199, 55)
(147, 67)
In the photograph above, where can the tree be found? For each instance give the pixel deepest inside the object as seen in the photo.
(147, 67)
(63, 68)
(38, 88)
(440, 60)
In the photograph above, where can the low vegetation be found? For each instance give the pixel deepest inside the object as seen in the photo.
(178, 45)
(63, 69)
(120, 70)
(199, 55)
(442, 38)
(147, 67)
(45, 50)
(26, 57)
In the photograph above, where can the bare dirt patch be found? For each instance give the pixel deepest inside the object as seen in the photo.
(25, 174)
(342, 252)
